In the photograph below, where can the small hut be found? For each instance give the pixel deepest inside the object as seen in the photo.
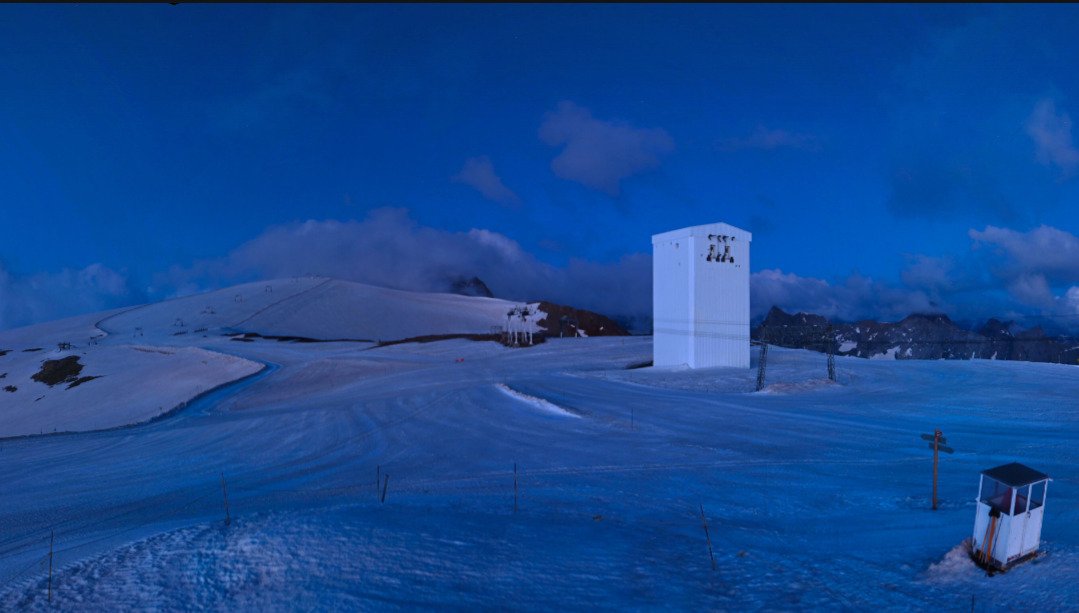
(1008, 521)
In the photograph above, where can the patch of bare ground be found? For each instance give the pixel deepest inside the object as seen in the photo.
(82, 380)
(64, 370)
(10, 388)
(431, 338)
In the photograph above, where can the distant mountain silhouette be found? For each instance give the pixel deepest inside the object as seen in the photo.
(920, 336)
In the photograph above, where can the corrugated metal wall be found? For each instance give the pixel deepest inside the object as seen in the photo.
(671, 309)
(701, 296)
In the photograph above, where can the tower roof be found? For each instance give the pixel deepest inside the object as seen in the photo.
(704, 230)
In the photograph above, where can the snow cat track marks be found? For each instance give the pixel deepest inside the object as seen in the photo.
(273, 304)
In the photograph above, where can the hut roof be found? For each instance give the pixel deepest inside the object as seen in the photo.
(1015, 474)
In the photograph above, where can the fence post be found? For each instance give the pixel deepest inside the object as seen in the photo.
(52, 536)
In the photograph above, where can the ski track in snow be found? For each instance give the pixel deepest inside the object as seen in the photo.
(816, 493)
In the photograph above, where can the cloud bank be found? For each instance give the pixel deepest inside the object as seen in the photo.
(600, 154)
(30, 299)
(390, 249)
(1006, 273)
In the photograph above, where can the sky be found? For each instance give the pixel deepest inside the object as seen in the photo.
(887, 159)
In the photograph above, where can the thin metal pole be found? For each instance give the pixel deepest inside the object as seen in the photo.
(936, 443)
(52, 536)
(515, 488)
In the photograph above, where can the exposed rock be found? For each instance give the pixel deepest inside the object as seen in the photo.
(64, 370)
(918, 337)
(470, 287)
(569, 322)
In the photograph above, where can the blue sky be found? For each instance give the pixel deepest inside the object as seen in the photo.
(888, 159)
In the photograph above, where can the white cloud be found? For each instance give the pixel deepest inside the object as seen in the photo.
(479, 173)
(1043, 250)
(600, 154)
(858, 297)
(389, 249)
(1032, 289)
(30, 299)
(1052, 135)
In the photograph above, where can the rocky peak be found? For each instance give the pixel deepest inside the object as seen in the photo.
(470, 287)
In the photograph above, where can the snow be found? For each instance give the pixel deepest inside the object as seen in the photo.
(816, 493)
(887, 355)
(137, 383)
(319, 308)
(846, 346)
(539, 403)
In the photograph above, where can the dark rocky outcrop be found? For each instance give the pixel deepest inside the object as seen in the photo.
(566, 321)
(64, 370)
(918, 337)
(470, 287)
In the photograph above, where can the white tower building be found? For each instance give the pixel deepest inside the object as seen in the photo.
(700, 296)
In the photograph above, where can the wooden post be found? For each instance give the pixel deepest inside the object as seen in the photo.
(52, 535)
(708, 538)
(228, 518)
(936, 444)
(385, 485)
(515, 488)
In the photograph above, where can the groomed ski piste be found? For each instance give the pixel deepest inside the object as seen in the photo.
(562, 476)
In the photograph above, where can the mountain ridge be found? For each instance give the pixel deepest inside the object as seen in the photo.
(919, 336)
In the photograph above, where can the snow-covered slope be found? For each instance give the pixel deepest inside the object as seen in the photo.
(342, 309)
(139, 383)
(116, 386)
(546, 478)
(317, 308)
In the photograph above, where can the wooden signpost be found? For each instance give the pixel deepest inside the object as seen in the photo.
(936, 443)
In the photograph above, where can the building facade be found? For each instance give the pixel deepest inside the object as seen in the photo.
(700, 296)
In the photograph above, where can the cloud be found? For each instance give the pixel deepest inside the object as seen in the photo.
(600, 154)
(1052, 134)
(390, 249)
(1032, 289)
(1070, 301)
(857, 297)
(1044, 250)
(480, 173)
(765, 139)
(30, 299)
